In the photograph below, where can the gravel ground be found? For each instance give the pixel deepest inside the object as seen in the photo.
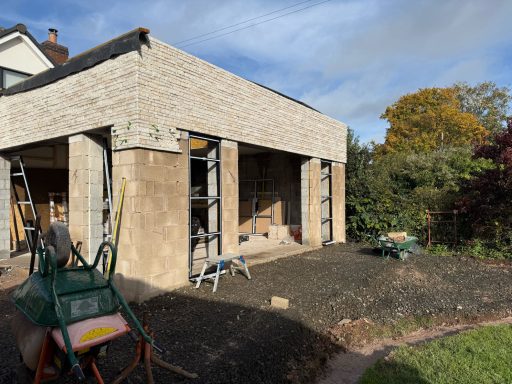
(233, 336)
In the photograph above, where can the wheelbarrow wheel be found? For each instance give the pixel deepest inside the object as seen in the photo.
(58, 237)
(416, 249)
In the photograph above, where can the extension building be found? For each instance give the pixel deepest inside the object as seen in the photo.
(206, 155)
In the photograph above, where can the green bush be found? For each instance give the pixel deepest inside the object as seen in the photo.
(440, 250)
(392, 192)
(486, 249)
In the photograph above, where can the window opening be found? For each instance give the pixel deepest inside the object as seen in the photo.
(326, 200)
(205, 201)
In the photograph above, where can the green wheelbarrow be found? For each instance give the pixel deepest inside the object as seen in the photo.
(72, 312)
(401, 248)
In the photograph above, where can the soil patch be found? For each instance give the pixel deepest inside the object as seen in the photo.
(233, 336)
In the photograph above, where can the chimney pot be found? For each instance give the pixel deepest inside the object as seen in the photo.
(52, 35)
(58, 53)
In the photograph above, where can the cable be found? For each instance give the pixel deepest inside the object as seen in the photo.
(242, 22)
(253, 25)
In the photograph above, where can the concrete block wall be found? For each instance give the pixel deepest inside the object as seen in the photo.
(86, 192)
(311, 212)
(315, 207)
(154, 234)
(182, 91)
(304, 200)
(284, 168)
(5, 207)
(338, 202)
(146, 97)
(229, 177)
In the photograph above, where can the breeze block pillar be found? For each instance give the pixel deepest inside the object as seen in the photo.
(5, 205)
(311, 202)
(153, 241)
(338, 202)
(86, 192)
(229, 177)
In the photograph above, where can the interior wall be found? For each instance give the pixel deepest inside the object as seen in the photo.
(46, 171)
(284, 168)
(41, 182)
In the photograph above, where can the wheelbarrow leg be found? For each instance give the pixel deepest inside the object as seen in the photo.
(42, 357)
(95, 372)
(147, 363)
(133, 364)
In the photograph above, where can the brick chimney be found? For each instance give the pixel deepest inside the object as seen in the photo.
(57, 52)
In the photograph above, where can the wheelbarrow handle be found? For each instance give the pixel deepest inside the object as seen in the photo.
(52, 260)
(134, 337)
(77, 371)
(158, 348)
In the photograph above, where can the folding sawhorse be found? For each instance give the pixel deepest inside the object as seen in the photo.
(220, 261)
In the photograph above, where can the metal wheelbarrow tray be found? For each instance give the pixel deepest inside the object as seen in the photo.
(402, 248)
(59, 297)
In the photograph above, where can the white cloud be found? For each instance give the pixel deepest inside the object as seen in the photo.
(349, 59)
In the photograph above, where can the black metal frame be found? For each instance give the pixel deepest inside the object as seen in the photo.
(254, 214)
(324, 198)
(218, 198)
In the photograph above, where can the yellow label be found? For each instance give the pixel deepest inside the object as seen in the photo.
(97, 332)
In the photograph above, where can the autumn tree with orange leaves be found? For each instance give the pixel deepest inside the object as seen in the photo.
(430, 119)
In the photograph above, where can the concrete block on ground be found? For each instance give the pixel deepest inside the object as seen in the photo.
(278, 232)
(279, 302)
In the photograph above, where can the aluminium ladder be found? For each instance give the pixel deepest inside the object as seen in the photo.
(30, 231)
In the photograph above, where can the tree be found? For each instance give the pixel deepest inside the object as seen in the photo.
(392, 191)
(430, 119)
(487, 102)
(488, 197)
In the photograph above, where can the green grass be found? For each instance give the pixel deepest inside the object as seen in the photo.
(481, 356)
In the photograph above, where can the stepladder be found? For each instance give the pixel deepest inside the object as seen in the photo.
(220, 263)
(18, 172)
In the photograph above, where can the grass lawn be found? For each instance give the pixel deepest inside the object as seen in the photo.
(482, 355)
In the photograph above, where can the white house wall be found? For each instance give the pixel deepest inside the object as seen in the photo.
(17, 52)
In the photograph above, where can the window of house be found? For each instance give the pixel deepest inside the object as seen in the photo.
(8, 77)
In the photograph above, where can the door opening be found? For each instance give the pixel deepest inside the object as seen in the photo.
(205, 201)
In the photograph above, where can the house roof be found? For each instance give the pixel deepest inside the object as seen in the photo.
(125, 43)
(21, 28)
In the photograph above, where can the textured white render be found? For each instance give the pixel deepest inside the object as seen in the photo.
(179, 90)
(147, 96)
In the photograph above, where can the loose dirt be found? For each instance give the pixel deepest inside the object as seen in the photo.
(234, 336)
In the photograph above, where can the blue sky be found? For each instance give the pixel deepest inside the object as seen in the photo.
(348, 59)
